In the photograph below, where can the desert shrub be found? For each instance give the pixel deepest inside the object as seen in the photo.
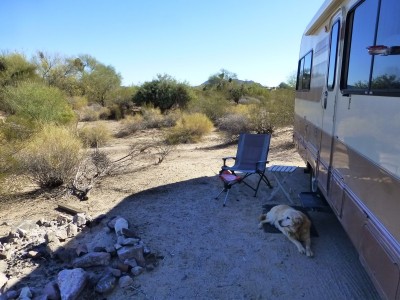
(213, 104)
(152, 117)
(164, 92)
(234, 124)
(15, 68)
(130, 125)
(7, 151)
(116, 112)
(77, 102)
(260, 120)
(94, 112)
(16, 128)
(281, 107)
(38, 103)
(51, 156)
(94, 136)
(171, 118)
(189, 129)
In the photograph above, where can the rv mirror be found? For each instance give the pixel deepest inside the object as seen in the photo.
(383, 50)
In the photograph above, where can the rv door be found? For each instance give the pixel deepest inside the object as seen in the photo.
(328, 103)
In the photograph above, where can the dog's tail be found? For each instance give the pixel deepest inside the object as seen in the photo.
(262, 217)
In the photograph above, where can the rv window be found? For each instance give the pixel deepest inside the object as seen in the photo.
(333, 55)
(362, 35)
(304, 72)
(386, 70)
(372, 48)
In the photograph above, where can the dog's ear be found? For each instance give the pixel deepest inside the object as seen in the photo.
(298, 218)
(262, 217)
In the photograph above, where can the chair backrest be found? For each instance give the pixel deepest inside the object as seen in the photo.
(252, 148)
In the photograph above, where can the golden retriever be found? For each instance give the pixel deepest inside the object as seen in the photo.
(292, 223)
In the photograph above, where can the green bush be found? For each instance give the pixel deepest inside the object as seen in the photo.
(164, 93)
(51, 156)
(15, 68)
(77, 102)
(16, 128)
(211, 103)
(38, 103)
(94, 136)
(189, 129)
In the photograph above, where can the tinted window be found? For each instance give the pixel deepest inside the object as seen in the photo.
(362, 36)
(304, 72)
(368, 68)
(333, 55)
(386, 71)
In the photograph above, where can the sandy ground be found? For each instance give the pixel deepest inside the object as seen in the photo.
(210, 251)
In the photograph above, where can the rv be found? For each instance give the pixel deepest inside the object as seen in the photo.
(347, 126)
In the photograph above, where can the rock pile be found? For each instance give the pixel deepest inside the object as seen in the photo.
(71, 258)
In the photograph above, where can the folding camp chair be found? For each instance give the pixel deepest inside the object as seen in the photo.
(251, 158)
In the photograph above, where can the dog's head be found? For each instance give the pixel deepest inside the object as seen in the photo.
(291, 220)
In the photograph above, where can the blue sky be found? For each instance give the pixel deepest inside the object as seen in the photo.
(188, 39)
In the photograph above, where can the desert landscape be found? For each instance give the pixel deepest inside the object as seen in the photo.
(194, 247)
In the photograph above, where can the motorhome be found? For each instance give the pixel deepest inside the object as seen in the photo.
(347, 126)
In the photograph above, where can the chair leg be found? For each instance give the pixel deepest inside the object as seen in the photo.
(226, 197)
(258, 185)
(223, 190)
(263, 178)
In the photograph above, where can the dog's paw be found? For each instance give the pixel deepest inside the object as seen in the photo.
(309, 253)
(260, 225)
(301, 250)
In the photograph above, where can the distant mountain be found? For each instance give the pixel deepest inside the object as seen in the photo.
(237, 81)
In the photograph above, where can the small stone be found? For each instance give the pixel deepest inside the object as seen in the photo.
(51, 236)
(71, 283)
(137, 270)
(33, 254)
(62, 234)
(11, 294)
(25, 293)
(121, 266)
(106, 284)
(92, 259)
(127, 241)
(131, 262)
(120, 223)
(79, 219)
(52, 248)
(72, 230)
(135, 252)
(81, 249)
(63, 219)
(129, 233)
(51, 290)
(125, 281)
(111, 223)
(115, 272)
(4, 253)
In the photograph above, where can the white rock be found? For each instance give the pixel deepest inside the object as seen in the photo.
(71, 283)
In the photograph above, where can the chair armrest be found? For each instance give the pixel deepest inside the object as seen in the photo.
(228, 157)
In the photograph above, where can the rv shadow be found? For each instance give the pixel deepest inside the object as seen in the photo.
(195, 248)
